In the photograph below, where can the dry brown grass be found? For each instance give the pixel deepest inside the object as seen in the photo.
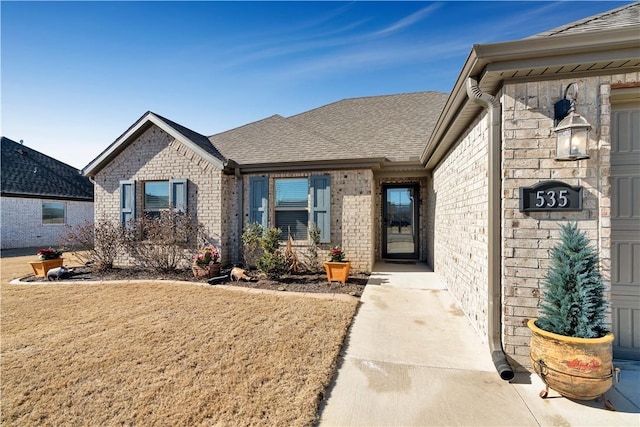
(163, 354)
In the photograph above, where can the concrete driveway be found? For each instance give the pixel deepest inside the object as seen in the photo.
(413, 359)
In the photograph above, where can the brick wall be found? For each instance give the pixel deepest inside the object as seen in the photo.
(457, 203)
(22, 222)
(528, 157)
(457, 219)
(155, 155)
(351, 214)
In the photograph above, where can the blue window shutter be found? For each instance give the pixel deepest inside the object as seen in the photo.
(127, 201)
(259, 200)
(178, 196)
(320, 189)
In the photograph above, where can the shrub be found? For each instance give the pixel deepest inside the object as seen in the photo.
(101, 242)
(272, 262)
(164, 243)
(313, 255)
(573, 303)
(252, 244)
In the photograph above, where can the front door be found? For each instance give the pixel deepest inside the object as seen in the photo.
(625, 229)
(399, 221)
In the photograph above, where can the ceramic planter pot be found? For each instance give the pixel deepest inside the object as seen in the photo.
(577, 368)
(40, 268)
(337, 271)
(205, 271)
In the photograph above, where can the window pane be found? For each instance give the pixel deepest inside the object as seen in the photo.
(52, 213)
(296, 221)
(291, 193)
(156, 195)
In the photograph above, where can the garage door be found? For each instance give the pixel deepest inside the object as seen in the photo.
(625, 226)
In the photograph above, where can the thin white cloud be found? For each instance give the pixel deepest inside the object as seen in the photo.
(409, 20)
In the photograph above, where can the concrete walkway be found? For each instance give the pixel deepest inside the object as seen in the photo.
(413, 359)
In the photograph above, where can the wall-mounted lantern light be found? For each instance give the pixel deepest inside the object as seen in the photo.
(572, 130)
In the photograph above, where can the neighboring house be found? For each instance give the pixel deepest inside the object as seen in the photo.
(427, 176)
(40, 197)
(352, 167)
(495, 136)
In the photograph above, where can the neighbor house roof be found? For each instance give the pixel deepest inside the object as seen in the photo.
(29, 173)
(392, 127)
(195, 141)
(611, 48)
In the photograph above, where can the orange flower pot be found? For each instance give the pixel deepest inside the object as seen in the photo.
(205, 271)
(337, 271)
(40, 268)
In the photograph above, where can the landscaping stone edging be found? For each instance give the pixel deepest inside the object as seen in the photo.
(316, 295)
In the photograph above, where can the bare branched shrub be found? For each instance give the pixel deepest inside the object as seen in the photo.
(100, 243)
(166, 242)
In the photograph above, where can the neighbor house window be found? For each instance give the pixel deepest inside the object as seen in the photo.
(156, 196)
(292, 207)
(53, 213)
(296, 202)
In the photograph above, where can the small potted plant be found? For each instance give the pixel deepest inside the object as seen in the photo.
(49, 258)
(337, 268)
(571, 348)
(206, 263)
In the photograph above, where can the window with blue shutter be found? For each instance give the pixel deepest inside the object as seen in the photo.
(259, 200)
(127, 201)
(178, 194)
(291, 207)
(320, 191)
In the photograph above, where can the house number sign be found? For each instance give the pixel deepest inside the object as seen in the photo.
(550, 196)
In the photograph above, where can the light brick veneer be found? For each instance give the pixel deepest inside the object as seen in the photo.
(155, 155)
(351, 213)
(457, 214)
(22, 222)
(457, 202)
(528, 157)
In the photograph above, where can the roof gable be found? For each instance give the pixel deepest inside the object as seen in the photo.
(29, 173)
(195, 141)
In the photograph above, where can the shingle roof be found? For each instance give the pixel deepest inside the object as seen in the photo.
(391, 126)
(625, 16)
(29, 173)
(200, 140)
(276, 139)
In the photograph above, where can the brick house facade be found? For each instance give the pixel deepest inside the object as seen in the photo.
(460, 160)
(219, 173)
(40, 197)
(523, 85)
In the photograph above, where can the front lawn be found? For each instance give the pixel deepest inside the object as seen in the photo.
(163, 354)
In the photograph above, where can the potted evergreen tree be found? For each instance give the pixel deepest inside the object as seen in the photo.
(571, 348)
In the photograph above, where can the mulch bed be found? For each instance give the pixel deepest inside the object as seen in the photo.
(311, 283)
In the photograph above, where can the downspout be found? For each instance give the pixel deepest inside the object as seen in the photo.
(494, 326)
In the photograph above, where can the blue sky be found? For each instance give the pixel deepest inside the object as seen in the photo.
(76, 75)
